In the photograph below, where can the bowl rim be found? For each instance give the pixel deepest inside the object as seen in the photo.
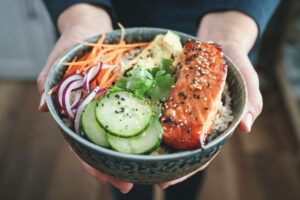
(111, 152)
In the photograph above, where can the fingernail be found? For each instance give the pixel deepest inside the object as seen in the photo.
(164, 187)
(249, 121)
(124, 191)
(42, 102)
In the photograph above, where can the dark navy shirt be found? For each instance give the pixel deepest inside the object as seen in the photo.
(181, 15)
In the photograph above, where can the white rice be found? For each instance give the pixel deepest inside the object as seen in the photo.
(224, 116)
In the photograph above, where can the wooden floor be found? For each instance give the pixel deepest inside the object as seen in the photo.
(35, 162)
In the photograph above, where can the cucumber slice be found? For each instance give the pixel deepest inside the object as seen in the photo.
(146, 142)
(122, 114)
(91, 127)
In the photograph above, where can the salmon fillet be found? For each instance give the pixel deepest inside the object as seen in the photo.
(194, 101)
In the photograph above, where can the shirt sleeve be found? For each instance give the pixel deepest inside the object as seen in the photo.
(260, 10)
(55, 7)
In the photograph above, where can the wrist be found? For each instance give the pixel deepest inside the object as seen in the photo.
(85, 16)
(230, 28)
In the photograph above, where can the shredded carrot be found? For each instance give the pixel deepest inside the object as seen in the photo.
(113, 78)
(110, 54)
(52, 90)
(122, 33)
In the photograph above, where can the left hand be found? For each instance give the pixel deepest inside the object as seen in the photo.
(167, 184)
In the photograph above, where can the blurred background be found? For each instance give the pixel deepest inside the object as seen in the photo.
(36, 163)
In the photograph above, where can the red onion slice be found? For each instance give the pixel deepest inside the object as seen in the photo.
(81, 106)
(63, 84)
(77, 98)
(90, 75)
(66, 97)
(103, 90)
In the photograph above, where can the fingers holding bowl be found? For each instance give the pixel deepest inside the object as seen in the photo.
(170, 183)
(124, 187)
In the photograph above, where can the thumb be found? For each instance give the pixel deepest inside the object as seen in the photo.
(255, 103)
(57, 50)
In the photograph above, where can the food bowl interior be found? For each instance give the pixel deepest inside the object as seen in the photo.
(235, 82)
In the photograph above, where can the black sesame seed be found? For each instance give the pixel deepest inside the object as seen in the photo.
(169, 119)
(117, 96)
(187, 60)
(191, 67)
(186, 75)
(195, 55)
(196, 96)
(172, 57)
(188, 129)
(206, 108)
(191, 113)
(182, 102)
(181, 94)
(123, 99)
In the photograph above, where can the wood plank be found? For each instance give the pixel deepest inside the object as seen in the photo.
(28, 151)
(289, 100)
(72, 177)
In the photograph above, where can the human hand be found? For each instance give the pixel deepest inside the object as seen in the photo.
(236, 33)
(173, 182)
(79, 22)
(124, 187)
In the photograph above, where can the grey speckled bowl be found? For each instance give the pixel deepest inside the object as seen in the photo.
(146, 169)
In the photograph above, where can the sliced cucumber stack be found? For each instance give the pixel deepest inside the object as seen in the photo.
(144, 143)
(91, 127)
(123, 115)
(123, 122)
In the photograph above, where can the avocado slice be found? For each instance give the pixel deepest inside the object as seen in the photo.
(167, 46)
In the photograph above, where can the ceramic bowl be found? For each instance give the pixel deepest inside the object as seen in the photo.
(146, 169)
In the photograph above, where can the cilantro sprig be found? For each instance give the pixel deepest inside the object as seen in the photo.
(154, 84)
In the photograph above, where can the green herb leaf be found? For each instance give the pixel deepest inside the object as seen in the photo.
(143, 83)
(165, 81)
(166, 65)
(121, 83)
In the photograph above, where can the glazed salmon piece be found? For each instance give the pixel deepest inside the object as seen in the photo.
(194, 101)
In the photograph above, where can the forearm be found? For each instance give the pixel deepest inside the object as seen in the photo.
(85, 15)
(229, 28)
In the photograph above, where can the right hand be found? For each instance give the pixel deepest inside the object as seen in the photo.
(79, 22)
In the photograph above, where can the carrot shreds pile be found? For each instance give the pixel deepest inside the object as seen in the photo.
(110, 54)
